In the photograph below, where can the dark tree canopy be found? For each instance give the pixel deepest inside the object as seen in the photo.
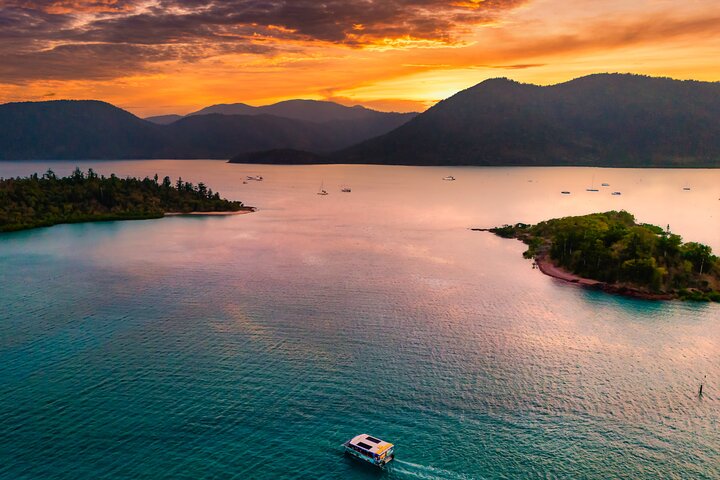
(607, 120)
(611, 247)
(38, 201)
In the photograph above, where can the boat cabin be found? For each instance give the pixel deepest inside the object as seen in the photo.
(370, 449)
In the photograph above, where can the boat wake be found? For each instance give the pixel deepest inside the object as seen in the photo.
(415, 470)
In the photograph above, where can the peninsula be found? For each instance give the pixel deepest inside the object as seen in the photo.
(41, 201)
(612, 252)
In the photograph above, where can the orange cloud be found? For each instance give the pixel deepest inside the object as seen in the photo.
(171, 56)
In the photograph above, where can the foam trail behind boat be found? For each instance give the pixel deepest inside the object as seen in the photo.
(427, 472)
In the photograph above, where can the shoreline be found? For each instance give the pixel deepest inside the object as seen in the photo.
(547, 267)
(108, 218)
(242, 211)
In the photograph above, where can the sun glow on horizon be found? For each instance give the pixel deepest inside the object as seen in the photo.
(145, 57)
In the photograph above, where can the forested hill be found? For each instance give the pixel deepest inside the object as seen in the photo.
(39, 201)
(87, 129)
(613, 248)
(609, 120)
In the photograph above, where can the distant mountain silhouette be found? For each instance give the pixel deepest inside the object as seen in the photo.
(306, 110)
(164, 119)
(227, 109)
(602, 120)
(70, 129)
(62, 129)
(222, 136)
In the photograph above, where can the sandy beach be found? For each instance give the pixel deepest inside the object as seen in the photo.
(550, 269)
(239, 212)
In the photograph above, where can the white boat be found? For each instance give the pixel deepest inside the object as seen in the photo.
(449, 178)
(605, 184)
(616, 193)
(370, 449)
(346, 189)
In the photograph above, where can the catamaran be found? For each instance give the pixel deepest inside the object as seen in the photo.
(370, 449)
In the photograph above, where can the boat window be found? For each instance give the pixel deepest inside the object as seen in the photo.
(364, 445)
(372, 439)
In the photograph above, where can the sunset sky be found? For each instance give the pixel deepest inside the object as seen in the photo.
(176, 56)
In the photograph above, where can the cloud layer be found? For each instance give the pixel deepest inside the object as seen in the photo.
(100, 39)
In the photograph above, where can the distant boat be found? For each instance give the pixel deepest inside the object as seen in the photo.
(592, 187)
(346, 189)
(687, 189)
(449, 178)
(322, 191)
(565, 192)
(605, 184)
(259, 178)
(616, 193)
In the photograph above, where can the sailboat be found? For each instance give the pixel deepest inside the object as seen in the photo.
(322, 191)
(592, 186)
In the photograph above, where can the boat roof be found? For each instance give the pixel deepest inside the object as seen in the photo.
(370, 443)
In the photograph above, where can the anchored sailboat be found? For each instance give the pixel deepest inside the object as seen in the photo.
(322, 190)
(592, 186)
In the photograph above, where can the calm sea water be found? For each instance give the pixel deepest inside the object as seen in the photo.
(251, 346)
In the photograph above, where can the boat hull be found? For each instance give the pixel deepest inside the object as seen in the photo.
(370, 461)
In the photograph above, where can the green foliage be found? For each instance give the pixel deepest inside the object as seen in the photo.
(38, 201)
(613, 248)
(506, 231)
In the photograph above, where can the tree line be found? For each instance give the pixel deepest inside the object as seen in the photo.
(612, 247)
(43, 200)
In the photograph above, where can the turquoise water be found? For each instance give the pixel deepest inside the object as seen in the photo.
(252, 346)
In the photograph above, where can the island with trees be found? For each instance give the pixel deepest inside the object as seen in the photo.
(44, 200)
(612, 252)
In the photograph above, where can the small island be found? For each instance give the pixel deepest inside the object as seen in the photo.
(612, 252)
(41, 201)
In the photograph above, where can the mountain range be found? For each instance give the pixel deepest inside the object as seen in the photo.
(89, 129)
(614, 120)
(618, 120)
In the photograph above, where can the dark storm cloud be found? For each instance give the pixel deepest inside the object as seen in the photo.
(351, 22)
(67, 39)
